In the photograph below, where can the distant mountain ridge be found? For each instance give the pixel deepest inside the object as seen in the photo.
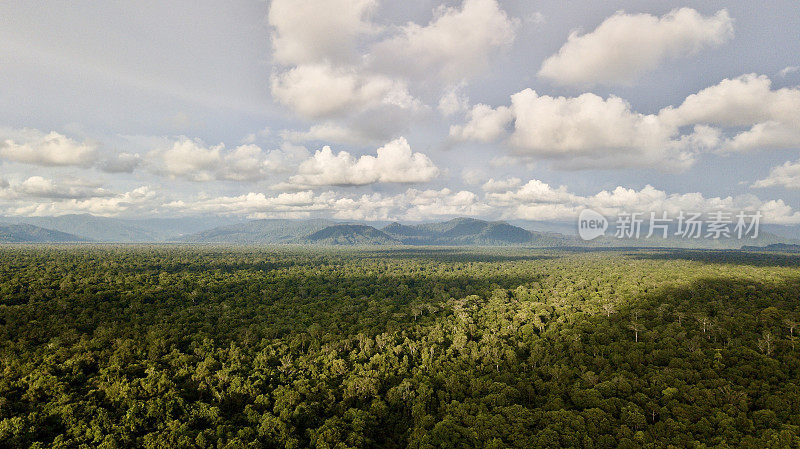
(458, 231)
(351, 234)
(455, 232)
(462, 231)
(774, 247)
(260, 231)
(120, 230)
(25, 233)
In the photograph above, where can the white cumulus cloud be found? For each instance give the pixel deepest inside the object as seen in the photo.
(626, 45)
(484, 123)
(317, 30)
(40, 187)
(786, 176)
(191, 159)
(31, 146)
(589, 131)
(533, 200)
(747, 101)
(538, 201)
(139, 199)
(456, 44)
(334, 63)
(393, 163)
(580, 132)
(321, 90)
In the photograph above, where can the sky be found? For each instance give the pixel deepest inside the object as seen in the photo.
(409, 111)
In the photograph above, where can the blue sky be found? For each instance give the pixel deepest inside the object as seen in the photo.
(417, 110)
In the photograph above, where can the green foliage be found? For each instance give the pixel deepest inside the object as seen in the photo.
(160, 346)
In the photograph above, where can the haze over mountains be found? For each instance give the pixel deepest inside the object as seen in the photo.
(25, 233)
(220, 230)
(108, 229)
(259, 231)
(458, 231)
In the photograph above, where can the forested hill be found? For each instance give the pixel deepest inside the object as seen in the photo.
(466, 231)
(25, 233)
(260, 231)
(350, 234)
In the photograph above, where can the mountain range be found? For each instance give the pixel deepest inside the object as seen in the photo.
(469, 231)
(120, 230)
(221, 230)
(458, 231)
(259, 231)
(25, 233)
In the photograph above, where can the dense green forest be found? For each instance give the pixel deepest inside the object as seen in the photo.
(165, 346)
